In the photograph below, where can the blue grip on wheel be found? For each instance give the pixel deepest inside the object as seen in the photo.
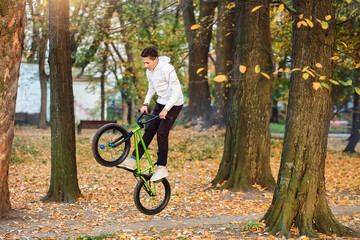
(102, 146)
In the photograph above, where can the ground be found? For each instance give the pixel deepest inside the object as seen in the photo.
(195, 211)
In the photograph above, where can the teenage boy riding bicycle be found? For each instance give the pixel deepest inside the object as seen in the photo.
(164, 82)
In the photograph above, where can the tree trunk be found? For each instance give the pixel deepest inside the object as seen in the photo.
(43, 77)
(355, 129)
(102, 81)
(224, 55)
(300, 196)
(63, 183)
(246, 158)
(11, 44)
(199, 42)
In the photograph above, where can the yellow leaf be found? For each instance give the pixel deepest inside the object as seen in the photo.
(318, 65)
(195, 26)
(257, 69)
(275, 19)
(281, 8)
(348, 1)
(301, 16)
(357, 90)
(281, 70)
(344, 44)
(29, 54)
(305, 76)
(334, 82)
(322, 78)
(220, 78)
(334, 58)
(328, 17)
(256, 8)
(309, 22)
(242, 68)
(309, 72)
(357, 65)
(199, 70)
(265, 75)
(316, 85)
(287, 70)
(325, 25)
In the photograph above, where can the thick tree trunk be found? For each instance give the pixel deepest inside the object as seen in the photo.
(224, 55)
(300, 195)
(63, 183)
(199, 42)
(246, 158)
(11, 44)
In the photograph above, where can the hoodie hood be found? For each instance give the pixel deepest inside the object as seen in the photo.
(163, 60)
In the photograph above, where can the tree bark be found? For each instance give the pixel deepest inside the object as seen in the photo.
(63, 183)
(224, 55)
(43, 76)
(246, 157)
(12, 24)
(198, 42)
(300, 196)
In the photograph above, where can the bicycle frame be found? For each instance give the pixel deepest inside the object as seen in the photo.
(137, 136)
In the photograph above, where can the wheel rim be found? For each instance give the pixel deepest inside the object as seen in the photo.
(153, 202)
(105, 145)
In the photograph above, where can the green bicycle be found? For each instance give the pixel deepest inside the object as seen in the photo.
(111, 146)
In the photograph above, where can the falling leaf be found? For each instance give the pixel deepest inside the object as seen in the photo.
(334, 82)
(265, 75)
(256, 8)
(316, 85)
(199, 70)
(357, 90)
(318, 65)
(195, 26)
(305, 76)
(257, 69)
(242, 68)
(281, 8)
(328, 17)
(324, 85)
(309, 22)
(325, 25)
(220, 78)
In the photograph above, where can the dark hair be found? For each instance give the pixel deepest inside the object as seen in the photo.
(150, 52)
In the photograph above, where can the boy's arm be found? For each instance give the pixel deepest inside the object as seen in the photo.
(175, 85)
(150, 93)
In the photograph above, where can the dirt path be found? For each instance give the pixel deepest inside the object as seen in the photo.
(34, 225)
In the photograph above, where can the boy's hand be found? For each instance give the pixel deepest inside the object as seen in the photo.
(163, 114)
(144, 109)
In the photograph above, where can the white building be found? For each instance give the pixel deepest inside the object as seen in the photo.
(86, 95)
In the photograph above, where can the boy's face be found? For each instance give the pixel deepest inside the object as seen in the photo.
(149, 63)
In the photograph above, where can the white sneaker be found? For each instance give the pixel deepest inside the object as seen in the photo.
(160, 173)
(129, 163)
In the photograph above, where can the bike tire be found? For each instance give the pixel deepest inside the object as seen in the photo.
(151, 205)
(102, 145)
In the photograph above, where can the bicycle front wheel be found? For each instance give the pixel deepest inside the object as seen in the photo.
(149, 203)
(110, 145)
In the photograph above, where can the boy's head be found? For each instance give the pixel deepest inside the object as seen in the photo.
(150, 57)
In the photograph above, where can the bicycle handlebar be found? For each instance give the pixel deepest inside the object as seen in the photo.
(141, 123)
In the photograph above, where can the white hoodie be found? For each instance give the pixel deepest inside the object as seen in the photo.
(164, 82)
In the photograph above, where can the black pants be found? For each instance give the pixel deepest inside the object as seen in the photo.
(161, 127)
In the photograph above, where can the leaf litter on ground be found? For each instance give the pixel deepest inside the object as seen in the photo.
(107, 204)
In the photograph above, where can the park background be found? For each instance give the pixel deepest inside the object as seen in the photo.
(236, 61)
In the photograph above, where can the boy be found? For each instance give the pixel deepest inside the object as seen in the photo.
(164, 82)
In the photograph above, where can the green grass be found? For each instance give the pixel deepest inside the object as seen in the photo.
(280, 128)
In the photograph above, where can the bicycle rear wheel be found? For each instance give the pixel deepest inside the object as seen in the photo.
(109, 146)
(148, 204)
